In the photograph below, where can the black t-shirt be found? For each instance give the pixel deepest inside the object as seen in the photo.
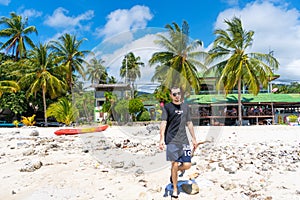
(176, 116)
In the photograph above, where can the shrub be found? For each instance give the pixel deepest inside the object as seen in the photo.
(16, 123)
(135, 106)
(144, 116)
(28, 121)
(293, 118)
(63, 111)
(121, 108)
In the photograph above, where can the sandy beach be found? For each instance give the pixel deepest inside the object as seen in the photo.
(124, 162)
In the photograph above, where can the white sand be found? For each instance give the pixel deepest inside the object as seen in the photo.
(70, 173)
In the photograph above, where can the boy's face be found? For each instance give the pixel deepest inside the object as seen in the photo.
(175, 95)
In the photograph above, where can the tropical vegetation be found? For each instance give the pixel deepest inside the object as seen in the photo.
(46, 79)
(130, 69)
(16, 30)
(63, 111)
(235, 66)
(179, 63)
(67, 51)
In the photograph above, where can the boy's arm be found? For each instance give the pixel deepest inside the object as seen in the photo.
(192, 132)
(162, 134)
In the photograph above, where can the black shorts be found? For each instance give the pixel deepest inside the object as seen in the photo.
(179, 152)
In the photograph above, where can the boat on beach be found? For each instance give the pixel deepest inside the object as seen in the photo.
(74, 131)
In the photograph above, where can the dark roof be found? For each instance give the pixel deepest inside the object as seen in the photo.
(111, 86)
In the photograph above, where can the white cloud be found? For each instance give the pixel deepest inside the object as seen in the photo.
(123, 20)
(143, 47)
(59, 19)
(276, 28)
(30, 13)
(4, 2)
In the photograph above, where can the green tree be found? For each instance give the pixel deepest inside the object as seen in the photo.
(15, 102)
(67, 50)
(85, 102)
(41, 76)
(177, 65)
(63, 111)
(135, 106)
(16, 30)
(112, 79)
(110, 99)
(235, 66)
(162, 94)
(294, 87)
(8, 86)
(144, 115)
(96, 71)
(130, 69)
(121, 108)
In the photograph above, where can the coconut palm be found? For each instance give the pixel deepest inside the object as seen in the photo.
(234, 66)
(96, 71)
(112, 79)
(67, 50)
(41, 75)
(16, 30)
(178, 64)
(63, 111)
(8, 86)
(130, 69)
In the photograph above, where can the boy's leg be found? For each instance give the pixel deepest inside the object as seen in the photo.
(174, 174)
(184, 166)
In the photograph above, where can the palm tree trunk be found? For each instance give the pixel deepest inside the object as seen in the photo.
(239, 102)
(45, 106)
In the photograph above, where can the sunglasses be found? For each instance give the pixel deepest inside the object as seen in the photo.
(175, 94)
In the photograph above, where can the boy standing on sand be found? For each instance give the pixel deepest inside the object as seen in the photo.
(175, 117)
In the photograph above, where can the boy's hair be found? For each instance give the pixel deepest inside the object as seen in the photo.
(174, 88)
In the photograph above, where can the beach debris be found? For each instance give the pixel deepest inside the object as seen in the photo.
(115, 164)
(245, 168)
(139, 172)
(190, 188)
(34, 133)
(228, 185)
(28, 152)
(155, 189)
(143, 182)
(194, 175)
(31, 166)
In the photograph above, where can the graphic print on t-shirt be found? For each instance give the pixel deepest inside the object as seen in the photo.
(179, 112)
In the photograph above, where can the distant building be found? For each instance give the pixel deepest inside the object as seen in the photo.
(211, 107)
(119, 89)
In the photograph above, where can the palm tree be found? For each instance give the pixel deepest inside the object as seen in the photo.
(67, 50)
(110, 100)
(17, 31)
(177, 66)
(42, 76)
(112, 79)
(234, 66)
(63, 111)
(130, 69)
(8, 86)
(96, 71)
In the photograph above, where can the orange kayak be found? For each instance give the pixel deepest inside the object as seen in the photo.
(74, 131)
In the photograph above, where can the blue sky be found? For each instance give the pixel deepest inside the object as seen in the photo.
(276, 24)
